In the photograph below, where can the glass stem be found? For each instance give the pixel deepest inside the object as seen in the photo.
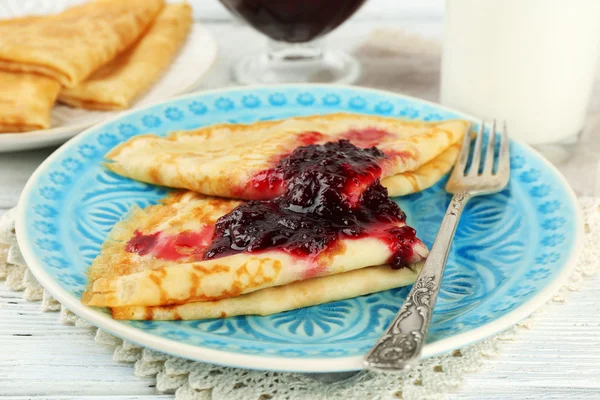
(282, 51)
(296, 63)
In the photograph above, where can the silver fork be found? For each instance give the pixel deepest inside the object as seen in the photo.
(400, 346)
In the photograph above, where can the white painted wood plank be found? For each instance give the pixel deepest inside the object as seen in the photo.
(41, 357)
(510, 393)
(558, 358)
(15, 169)
(142, 397)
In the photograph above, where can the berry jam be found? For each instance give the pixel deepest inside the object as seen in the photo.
(367, 137)
(183, 245)
(325, 179)
(141, 244)
(268, 184)
(331, 192)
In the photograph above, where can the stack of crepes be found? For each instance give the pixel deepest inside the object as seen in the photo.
(318, 226)
(100, 55)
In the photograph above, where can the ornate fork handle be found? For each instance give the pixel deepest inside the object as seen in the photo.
(401, 344)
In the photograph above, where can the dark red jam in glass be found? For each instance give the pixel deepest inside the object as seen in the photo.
(294, 21)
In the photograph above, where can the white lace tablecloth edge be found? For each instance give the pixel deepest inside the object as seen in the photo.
(190, 380)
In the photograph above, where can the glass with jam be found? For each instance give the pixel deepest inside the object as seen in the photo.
(295, 51)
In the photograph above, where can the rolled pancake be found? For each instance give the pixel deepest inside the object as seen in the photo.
(424, 177)
(26, 101)
(115, 85)
(226, 160)
(6, 25)
(69, 46)
(281, 298)
(166, 265)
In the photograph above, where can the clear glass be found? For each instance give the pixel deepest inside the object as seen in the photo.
(296, 63)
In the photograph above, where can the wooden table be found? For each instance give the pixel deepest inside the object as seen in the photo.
(559, 358)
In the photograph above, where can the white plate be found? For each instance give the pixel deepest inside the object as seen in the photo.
(195, 58)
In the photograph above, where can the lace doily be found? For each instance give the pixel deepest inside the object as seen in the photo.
(190, 380)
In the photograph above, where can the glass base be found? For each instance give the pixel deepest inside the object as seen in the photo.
(296, 63)
(559, 152)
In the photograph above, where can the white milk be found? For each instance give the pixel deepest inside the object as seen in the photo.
(529, 62)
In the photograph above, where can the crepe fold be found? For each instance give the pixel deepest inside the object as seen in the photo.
(171, 273)
(423, 177)
(225, 160)
(281, 298)
(26, 101)
(69, 46)
(115, 85)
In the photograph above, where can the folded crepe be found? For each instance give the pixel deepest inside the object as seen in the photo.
(26, 101)
(278, 299)
(6, 25)
(69, 46)
(115, 85)
(233, 160)
(154, 257)
(425, 176)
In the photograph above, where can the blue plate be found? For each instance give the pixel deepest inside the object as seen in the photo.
(511, 250)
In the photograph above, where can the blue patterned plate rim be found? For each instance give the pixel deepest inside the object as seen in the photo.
(265, 362)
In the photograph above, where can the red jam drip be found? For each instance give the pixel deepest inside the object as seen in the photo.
(366, 137)
(331, 191)
(141, 244)
(267, 184)
(307, 138)
(401, 240)
(184, 245)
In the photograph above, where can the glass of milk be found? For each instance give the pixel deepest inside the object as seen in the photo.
(532, 63)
